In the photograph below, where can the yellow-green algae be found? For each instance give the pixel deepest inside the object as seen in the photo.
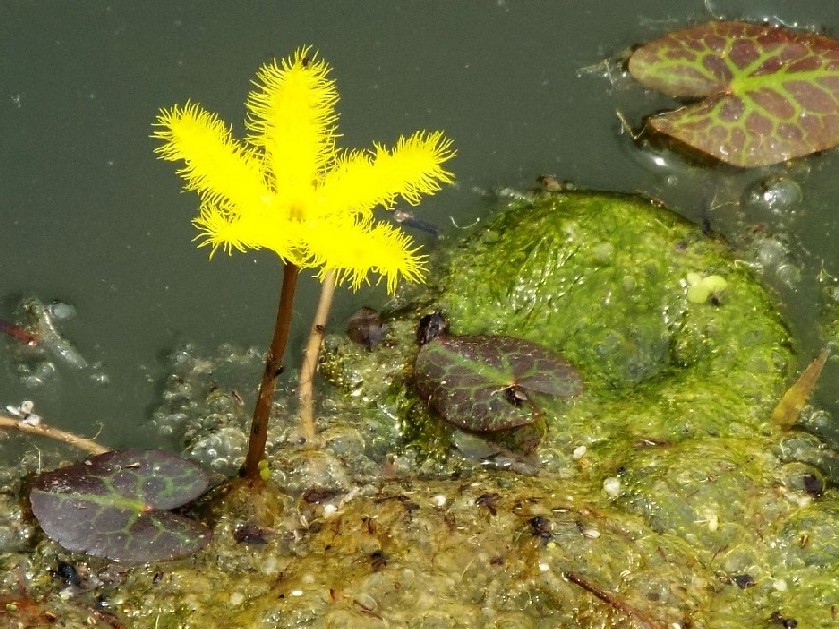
(663, 487)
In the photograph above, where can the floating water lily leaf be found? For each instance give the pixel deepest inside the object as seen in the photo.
(484, 383)
(770, 93)
(114, 505)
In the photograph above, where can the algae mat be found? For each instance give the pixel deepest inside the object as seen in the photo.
(659, 497)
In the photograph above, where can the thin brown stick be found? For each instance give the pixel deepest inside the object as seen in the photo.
(612, 600)
(88, 445)
(310, 358)
(273, 368)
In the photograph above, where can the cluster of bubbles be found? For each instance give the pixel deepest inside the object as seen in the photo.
(770, 205)
(756, 213)
(206, 408)
(206, 404)
(775, 197)
(772, 257)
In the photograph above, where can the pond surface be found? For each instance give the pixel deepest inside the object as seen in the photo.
(90, 217)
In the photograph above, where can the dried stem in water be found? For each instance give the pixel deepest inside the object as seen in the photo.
(273, 368)
(310, 358)
(88, 445)
(613, 601)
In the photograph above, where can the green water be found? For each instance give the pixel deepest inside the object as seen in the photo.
(89, 216)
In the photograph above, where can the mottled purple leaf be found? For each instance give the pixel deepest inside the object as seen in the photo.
(486, 383)
(770, 93)
(115, 505)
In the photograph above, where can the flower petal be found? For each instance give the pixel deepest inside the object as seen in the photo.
(356, 248)
(217, 166)
(359, 182)
(292, 118)
(217, 228)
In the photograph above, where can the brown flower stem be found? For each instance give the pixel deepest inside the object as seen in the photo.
(88, 445)
(310, 358)
(273, 368)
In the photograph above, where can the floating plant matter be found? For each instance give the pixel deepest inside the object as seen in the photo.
(768, 93)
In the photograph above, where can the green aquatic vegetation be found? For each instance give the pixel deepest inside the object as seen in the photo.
(765, 93)
(626, 323)
(117, 505)
(658, 368)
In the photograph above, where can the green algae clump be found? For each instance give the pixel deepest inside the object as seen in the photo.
(657, 364)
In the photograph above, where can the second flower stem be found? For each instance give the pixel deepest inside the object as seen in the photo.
(310, 358)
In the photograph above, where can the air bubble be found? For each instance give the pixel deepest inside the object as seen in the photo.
(775, 196)
(789, 275)
(770, 253)
(62, 311)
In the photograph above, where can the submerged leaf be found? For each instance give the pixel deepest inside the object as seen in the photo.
(114, 505)
(789, 408)
(485, 383)
(770, 93)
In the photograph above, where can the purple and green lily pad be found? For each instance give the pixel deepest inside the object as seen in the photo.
(489, 383)
(768, 93)
(116, 505)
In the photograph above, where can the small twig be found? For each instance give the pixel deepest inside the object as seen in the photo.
(626, 127)
(612, 600)
(310, 358)
(709, 7)
(88, 445)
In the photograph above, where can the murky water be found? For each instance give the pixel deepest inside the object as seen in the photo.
(89, 216)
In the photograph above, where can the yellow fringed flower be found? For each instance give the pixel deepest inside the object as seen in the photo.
(289, 189)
